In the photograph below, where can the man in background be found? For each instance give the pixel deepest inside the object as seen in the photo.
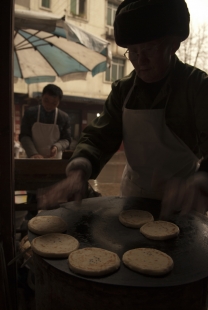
(45, 130)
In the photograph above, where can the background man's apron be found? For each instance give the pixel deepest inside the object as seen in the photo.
(154, 153)
(45, 135)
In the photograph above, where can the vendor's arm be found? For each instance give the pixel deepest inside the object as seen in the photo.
(103, 137)
(74, 187)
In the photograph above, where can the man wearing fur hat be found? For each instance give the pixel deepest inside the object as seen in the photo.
(159, 110)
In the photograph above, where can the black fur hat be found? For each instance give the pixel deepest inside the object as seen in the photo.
(140, 21)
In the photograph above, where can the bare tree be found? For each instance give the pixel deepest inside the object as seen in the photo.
(194, 50)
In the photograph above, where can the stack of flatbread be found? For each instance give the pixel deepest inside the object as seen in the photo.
(51, 243)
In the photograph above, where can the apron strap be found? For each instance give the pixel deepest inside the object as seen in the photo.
(129, 94)
(38, 117)
(56, 115)
(55, 118)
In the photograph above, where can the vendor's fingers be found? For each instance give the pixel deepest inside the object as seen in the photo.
(190, 201)
(203, 205)
(195, 201)
(200, 180)
(79, 192)
(172, 199)
(71, 188)
(37, 156)
(196, 194)
(50, 198)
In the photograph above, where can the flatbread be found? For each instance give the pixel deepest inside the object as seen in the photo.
(135, 218)
(42, 225)
(93, 261)
(148, 261)
(54, 245)
(160, 230)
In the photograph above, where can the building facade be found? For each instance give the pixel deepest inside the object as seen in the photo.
(83, 99)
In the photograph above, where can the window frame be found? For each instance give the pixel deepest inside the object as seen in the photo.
(113, 7)
(79, 14)
(118, 65)
(45, 7)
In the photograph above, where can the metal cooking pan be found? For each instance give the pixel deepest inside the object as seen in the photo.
(95, 223)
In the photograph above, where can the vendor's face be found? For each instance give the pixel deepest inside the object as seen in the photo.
(50, 102)
(152, 59)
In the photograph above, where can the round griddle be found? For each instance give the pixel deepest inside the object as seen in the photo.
(95, 223)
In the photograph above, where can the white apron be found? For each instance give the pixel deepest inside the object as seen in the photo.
(45, 135)
(154, 153)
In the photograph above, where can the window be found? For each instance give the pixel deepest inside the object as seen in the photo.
(111, 13)
(45, 3)
(116, 71)
(78, 7)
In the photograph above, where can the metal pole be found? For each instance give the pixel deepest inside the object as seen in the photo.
(7, 231)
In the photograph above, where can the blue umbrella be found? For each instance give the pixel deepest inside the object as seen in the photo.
(46, 47)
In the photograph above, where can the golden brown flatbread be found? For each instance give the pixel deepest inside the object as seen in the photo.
(148, 261)
(42, 225)
(93, 261)
(160, 230)
(54, 245)
(135, 218)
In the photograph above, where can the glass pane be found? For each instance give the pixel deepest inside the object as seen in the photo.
(46, 3)
(113, 16)
(73, 6)
(121, 61)
(109, 17)
(114, 73)
(120, 72)
(82, 7)
(107, 75)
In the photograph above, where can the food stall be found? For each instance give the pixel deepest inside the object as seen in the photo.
(95, 224)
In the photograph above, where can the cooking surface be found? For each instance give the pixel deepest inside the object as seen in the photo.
(95, 223)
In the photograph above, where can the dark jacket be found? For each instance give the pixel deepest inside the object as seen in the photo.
(185, 94)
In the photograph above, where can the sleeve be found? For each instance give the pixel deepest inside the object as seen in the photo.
(204, 165)
(80, 163)
(65, 132)
(103, 137)
(26, 134)
(201, 114)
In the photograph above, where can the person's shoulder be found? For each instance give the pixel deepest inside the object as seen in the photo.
(190, 71)
(31, 110)
(123, 85)
(128, 79)
(62, 114)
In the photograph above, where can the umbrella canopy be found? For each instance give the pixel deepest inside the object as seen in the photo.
(46, 46)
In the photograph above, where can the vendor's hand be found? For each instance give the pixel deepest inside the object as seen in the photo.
(183, 196)
(37, 156)
(54, 151)
(74, 187)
